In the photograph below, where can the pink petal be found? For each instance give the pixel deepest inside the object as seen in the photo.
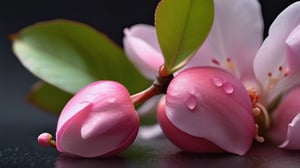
(180, 138)
(212, 104)
(81, 102)
(235, 37)
(285, 123)
(293, 137)
(277, 54)
(99, 120)
(142, 48)
(293, 50)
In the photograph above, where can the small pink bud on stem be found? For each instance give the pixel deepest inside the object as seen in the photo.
(45, 140)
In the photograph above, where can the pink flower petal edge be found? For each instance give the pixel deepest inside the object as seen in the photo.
(293, 138)
(286, 125)
(142, 48)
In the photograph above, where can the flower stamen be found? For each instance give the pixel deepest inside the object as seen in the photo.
(253, 96)
(257, 137)
(283, 72)
(227, 63)
(260, 114)
(230, 64)
(263, 111)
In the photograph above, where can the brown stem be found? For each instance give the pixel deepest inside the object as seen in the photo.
(141, 97)
(159, 86)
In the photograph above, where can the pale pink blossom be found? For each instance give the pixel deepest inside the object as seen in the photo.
(275, 63)
(267, 68)
(141, 46)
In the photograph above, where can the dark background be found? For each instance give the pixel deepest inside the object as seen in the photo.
(21, 122)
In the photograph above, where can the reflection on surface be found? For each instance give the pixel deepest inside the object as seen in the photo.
(162, 154)
(182, 159)
(260, 156)
(69, 162)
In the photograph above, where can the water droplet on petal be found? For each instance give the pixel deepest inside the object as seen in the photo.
(191, 103)
(217, 81)
(228, 88)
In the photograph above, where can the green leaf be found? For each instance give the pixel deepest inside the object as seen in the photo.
(182, 26)
(48, 98)
(70, 55)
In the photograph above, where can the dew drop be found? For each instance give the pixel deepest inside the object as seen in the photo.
(217, 81)
(191, 103)
(228, 88)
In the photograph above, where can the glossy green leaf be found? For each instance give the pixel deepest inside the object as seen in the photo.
(48, 98)
(182, 26)
(70, 55)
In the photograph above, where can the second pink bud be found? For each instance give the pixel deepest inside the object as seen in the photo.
(207, 109)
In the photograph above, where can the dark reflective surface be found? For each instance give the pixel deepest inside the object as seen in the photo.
(21, 123)
(158, 153)
(167, 156)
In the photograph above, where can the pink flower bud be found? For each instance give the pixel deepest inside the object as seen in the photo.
(99, 121)
(44, 139)
(207, 110)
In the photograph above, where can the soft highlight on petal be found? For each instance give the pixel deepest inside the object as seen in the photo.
(142, 49)
(216, 108)
(235, 37)
(99, 123)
